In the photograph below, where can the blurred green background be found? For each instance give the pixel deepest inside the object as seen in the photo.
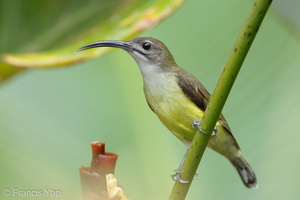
(49, 117)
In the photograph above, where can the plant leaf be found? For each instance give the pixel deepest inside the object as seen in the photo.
(125, 21)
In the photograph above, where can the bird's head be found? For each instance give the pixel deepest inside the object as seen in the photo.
(146, 51)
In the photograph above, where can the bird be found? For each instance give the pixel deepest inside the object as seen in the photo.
(179, 99)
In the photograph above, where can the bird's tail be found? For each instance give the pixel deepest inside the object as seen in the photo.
(245, 171)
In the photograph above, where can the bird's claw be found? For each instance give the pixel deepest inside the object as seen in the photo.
(196, 125)
(176, 177)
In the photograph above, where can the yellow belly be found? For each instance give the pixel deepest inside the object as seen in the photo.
(175, 111)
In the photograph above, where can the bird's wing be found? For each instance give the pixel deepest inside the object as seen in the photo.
(197, 93)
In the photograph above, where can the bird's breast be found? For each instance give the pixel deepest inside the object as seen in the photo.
(171, 105)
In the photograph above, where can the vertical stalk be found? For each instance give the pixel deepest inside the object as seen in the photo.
(219, 96)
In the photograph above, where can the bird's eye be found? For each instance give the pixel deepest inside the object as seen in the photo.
(146, 46)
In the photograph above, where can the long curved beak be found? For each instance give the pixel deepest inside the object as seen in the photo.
(108, 43)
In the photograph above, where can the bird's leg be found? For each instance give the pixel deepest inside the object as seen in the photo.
(197, 124)
(178, 171)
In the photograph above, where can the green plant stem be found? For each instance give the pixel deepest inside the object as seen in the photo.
(219, 97)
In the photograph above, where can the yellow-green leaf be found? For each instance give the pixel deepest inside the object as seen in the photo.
(120, 21)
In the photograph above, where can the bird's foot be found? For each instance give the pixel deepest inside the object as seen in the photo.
(177, 176)
(197, 124)
(178, 171)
